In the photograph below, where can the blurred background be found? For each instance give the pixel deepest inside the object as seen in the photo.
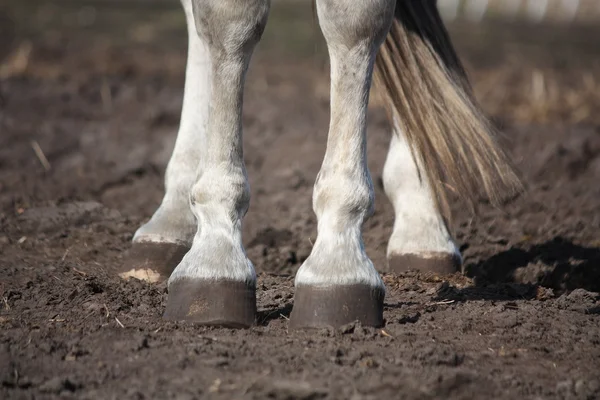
(90, 97)
(531, 60)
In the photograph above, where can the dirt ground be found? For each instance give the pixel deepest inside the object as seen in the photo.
(89, 106)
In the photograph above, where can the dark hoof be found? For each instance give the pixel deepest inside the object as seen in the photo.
(152, 261)
(218, 303)
(334, 306)
(440, 263)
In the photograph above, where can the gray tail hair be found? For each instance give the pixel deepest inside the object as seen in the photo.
(428, 95)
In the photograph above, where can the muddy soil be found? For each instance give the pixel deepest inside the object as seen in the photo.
(102, 113)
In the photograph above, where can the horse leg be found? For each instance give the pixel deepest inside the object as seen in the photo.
(338, 284)
(215, 281)
(420, 238)
(160, 244)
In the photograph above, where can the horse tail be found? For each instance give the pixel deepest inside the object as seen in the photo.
(428, 97)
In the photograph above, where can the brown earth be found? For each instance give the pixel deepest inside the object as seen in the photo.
(101, 99)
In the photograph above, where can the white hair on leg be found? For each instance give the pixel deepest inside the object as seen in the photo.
(419, 229)
(215, 281)
(174, 221)
(343, 193)
(338, 284)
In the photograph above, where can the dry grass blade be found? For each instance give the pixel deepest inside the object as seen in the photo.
(441, 303)
(40, 155)
(385, 333)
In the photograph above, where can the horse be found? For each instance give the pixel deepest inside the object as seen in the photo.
(441, 141)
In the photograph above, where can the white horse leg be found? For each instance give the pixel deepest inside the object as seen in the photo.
(338, 284)
(160, 244)
(215, 282)
(420, 239)
(419, 71)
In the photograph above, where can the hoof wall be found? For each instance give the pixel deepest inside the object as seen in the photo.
(152, 261)
(217, 303)
(440, 263)
(334, 306)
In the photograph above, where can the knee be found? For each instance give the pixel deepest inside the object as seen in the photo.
(351, 22)
(231, 26)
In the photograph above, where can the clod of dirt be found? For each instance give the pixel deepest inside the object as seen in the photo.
(579, 300)
(410, 318)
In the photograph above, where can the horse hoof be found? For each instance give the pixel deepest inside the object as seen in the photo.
(152, 261)
(337, 305)
(439, 263)
(222, 303)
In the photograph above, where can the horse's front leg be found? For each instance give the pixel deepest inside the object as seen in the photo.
(215, 282)
(338, 284)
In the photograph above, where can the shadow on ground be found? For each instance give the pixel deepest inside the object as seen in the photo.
(561, 265)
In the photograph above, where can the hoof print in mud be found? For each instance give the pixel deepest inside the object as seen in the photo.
(443, 264)
(335, 306)
(151, 261)
(217, 303)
